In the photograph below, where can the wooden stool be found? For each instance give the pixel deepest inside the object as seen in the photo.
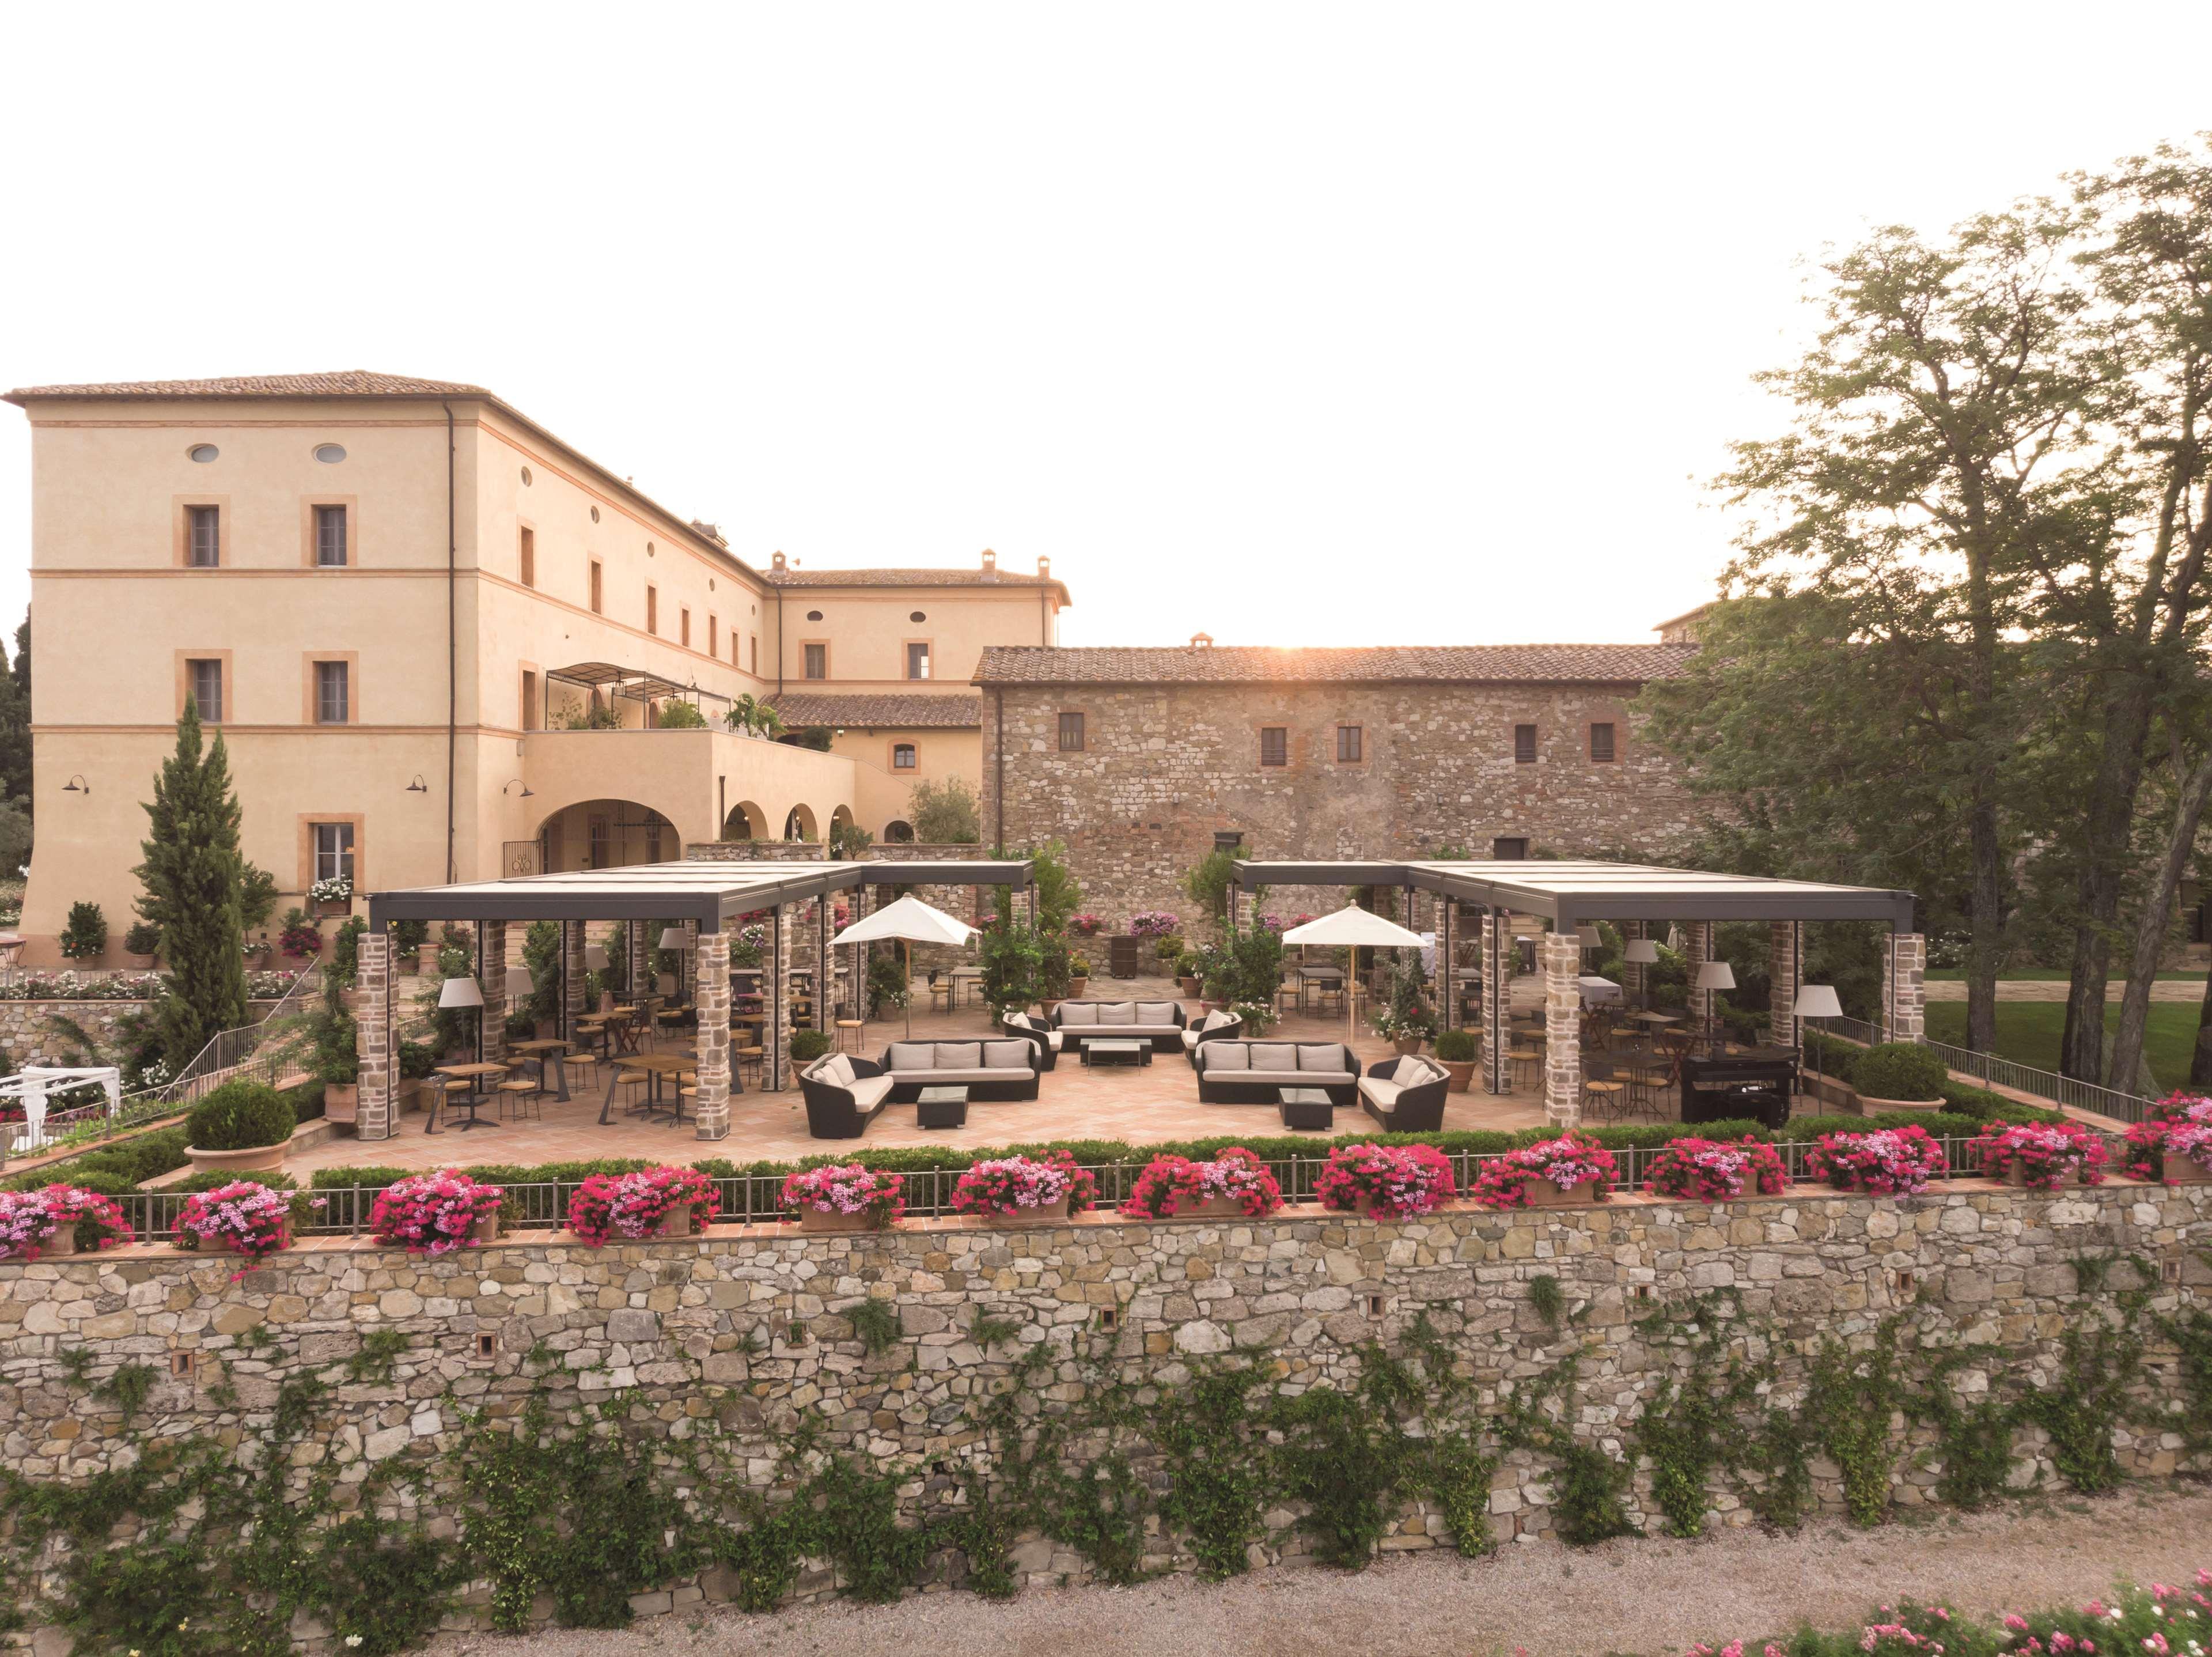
(516, 1097)
(855, 1026)
(1516, 1057)
(940, 997)
(740, 1056)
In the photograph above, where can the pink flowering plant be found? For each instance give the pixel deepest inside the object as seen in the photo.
(432, 1213)
(2178, 1125)
(1887, 1162)
(31, 1220)
(2048, 1155)
(846, 1188)
(244, 1216)
(1571, 1159)
(611, 1207)
(1152, 923)
(1015, 1185)
(1084, 926)
(1713, 1171)
(1399, 1181)
(1170, 1184)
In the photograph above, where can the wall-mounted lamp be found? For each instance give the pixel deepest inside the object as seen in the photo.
(418, 786)
(516, 781)
(76, 785)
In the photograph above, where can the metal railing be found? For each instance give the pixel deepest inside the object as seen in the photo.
(752, 1199)
(1996, 1071)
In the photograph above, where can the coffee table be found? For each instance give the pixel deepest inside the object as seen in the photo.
(1307, 1107)
(1104, 1050)
(941, 1107)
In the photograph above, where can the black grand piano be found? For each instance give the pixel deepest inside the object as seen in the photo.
(1755, 1085)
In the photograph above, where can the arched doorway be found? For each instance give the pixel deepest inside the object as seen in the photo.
(606, 834)
(746, 821)
(800, 825)
(899, 832)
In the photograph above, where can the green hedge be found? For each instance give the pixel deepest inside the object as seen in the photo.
(112, 1170)
(239, 1115)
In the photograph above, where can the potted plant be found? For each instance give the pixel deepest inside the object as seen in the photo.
(143, 942)
(332, 897)
(435, 1213)
(807, 1045)
(2173, 1142)
(1887, 1162)
(1405, 1017)
(1456, 1051)
(1900, 1075)
(1711, 1171)
(1049, 1187)
(84, 936)
(417, 1063)
(2040, 1156)
(1084, 926)
(844, 1197)
(240, 1126)
(1235, 1182)
(241, 1217)
(1386, 1182)
(51, 1221)
(299, 937)
(652, 1203)
(1079, 976)
(1549, 1174)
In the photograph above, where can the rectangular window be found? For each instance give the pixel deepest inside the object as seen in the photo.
(1347, 745)
(528, 558)
(653, 609)
(330, 699)
(598, 607)
(917, 661)
(1274, 745)
(333, 850)
(683, 627)
(205, 678)
(1524, 745)
(1071, 733)
(714, 635)
(1509, 851)
(330, 537)
(204, 524)
(902, 756)
(817, 661)
(754, 641)
(529, 700)
(1601, 743)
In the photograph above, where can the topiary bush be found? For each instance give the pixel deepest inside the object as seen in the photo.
(1456, 1045)
(84, 937)
(1901, 1070)
(807, 1045)
(239, 1115)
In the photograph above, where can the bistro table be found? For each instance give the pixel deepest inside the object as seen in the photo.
(473, 1074)
(971, 976)
(1321, 979)
(655, 1065)
(554, 1053)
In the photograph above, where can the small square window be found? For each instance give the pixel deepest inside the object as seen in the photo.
(917, 661)
(487, 1346)
(330, 537)
(1602, 744)
(1347, 745)
(204, 525)
(205, 678)
(182, 1365)
(333, 701)
(1375, 1306)
(1524, 745)
(903, 755)
(1071, 733)
(1109, 1318)
(1274, 745)
(1509, 851)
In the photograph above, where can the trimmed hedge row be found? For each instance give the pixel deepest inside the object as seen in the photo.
(120, 1168)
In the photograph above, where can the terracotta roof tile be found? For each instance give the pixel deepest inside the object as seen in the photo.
(891, 711)
(345, 382)
(882, 576)
(1465, 664)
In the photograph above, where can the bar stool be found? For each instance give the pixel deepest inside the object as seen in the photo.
(853, 1024)
(741, 1057)
(1524, 1057)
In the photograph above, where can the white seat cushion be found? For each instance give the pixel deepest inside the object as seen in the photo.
(1218, 1018)
(1118, 1013)
(947, 1078)
(1224, 1056)
(1053, 1039)
(959, 1055)
(1274, 1056)
(1288, 1078)
(1156, 1012)
(1072, 1012)
(868, 1091)
(1006, 1055)
(1383, 1092)
(1409, 1069)
(1319, 1056)
(838, 1069)
(910, 1055)
(1189, 1039)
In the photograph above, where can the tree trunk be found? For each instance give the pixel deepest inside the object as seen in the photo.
(1986, 922)
(2106, 832)
(2200, 1062)
(2150, 926)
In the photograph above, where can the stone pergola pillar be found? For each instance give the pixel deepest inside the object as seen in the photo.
(777, 981)
(1785, 964)
(1497, 1002)
(1699, 937)
(1562, 955)
(377, 1114)
(573, 972)
(1904, 987)
(491, 978)
(711, 987)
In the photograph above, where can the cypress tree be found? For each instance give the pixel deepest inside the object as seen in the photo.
(191, 875)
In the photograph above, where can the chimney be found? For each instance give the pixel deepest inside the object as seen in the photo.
(1044, 568)
(1202, 641)
(776, 563)
(990, 564)
(712, 532)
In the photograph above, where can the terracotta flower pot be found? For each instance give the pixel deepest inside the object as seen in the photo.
(251, 1160)
(226, 1243)
(1407, 1046)
(2180, 1171)
(1362, 1205)
(2016, 1174)
(823, 1220)
(341, 1101)
(677, 1222)
(1461, 1072)
(1076, 986)
(1190, 987)
(486, 1230)
(64, 1241)
(1056, 1210)
(1543, 1194)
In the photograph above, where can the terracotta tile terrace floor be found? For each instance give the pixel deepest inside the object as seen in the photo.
(1141, 1105)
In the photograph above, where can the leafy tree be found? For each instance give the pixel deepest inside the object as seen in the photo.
(946, 813)
(192, 878)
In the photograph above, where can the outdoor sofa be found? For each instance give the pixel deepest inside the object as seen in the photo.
(1042, 1037)
(1220, 1025)
(995, 1068)
(1406, 1095)
(1254, 1072)
(843, 1095)
(1160, 1022)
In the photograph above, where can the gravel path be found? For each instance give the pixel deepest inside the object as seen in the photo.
(1627, 1596)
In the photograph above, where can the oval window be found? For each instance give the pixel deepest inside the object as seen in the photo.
(814, 615)
(203, 453)
(648, 546)
(525, 476)
(595, 515)
(329, 454)
(917, 615)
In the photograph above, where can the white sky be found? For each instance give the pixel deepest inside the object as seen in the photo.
(1359, 325)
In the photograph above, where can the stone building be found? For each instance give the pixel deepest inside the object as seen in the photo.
(1138, 758)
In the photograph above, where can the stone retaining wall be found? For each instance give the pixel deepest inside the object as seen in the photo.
(27, 1036)
(745, 1327)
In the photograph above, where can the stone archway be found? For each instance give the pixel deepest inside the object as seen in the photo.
(899, 832)
(746, 821)
(608, 833)
(800, 823)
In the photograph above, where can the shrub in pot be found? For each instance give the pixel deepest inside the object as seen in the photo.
(1900, 1076)
(84, 937)
(1078, 978)
(143, 942)
(2174, 1142)
(240, 1126)
(1456, 1051)
(807, 1045)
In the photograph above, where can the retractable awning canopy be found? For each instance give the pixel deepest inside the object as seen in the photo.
(710, 894)
(1570, 893)
(635, 680)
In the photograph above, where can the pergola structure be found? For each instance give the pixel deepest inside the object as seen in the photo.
(706, 897)
(1568, 895)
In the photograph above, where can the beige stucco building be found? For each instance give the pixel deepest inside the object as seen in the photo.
(441, 643)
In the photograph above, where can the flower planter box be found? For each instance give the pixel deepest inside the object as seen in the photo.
(64, 1241)
(341, 1101)
(1869, 1106)
(2016, 1176)
(226, 1243)
(333, 909)
(677, 1222)
(486, 1230)
(1461, 1072)
(252, 1158)
(1543, 1194)
(1056, 1209)
(2181, 1171)
(1212, 1208)
(826, 1220)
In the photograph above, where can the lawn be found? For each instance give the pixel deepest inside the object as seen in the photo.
(2045, 975)
(2028, 1032)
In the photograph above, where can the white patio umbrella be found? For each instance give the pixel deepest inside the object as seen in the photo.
(910, 921)
(1349, 928)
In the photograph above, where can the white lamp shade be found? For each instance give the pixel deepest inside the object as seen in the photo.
(675, 937)
(460, 992)
(1643, 950)
(595, 957)
(519, 981)
(1715, 975)
(1818, 1001)
(1588, 936)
